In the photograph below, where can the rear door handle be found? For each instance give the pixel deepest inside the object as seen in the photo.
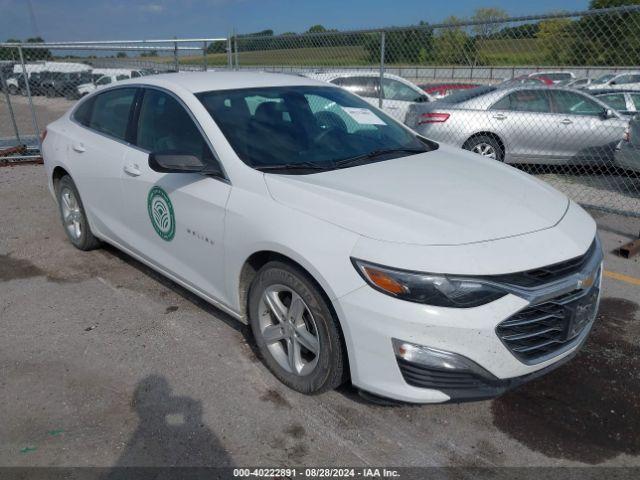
(499, 116)
(132, 170)
(78, 147)
(566, 121)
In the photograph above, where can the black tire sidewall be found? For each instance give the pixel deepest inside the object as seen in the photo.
(329, 369)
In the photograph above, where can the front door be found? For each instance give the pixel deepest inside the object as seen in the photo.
(175, 220)
(584, 135)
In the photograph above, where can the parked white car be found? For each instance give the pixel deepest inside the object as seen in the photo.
(353, 247)
(104, 77)
(620, 81)
(397, 93)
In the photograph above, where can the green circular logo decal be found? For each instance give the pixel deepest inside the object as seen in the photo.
(161, 213)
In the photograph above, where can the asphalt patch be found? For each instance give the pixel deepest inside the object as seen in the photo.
(587, 410)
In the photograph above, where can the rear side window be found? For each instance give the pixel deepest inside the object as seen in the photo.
(82, 115)
(635, 98)
(165, 126)
(110, 112)
(524, 101)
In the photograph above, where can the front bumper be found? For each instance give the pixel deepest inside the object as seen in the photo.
(374, 319)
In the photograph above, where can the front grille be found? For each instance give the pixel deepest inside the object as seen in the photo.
(543, 330)
(548, 274)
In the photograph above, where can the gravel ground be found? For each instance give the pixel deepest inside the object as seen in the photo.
(105, 363)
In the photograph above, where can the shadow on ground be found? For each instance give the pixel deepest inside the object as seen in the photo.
(170, 432)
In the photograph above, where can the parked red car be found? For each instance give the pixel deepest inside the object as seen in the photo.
(439, 90)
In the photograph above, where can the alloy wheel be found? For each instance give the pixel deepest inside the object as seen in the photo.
(289, 330)
(485, 149)
(71, 213)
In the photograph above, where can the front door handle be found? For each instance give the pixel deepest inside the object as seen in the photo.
(132, 169)
(499, 116)
(566, 121)
(78, 147)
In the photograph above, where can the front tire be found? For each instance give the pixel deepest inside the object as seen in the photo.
(73, 215)
(295, 330)
(486, 146)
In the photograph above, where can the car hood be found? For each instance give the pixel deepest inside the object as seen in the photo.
(444, 197)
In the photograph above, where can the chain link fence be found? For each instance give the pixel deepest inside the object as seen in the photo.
(554, 95)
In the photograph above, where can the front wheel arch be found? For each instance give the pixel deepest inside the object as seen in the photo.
(252, 266)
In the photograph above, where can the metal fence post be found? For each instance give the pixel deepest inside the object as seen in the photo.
(229, 53)
(33, 111)
(382, 41)
(204, 55)
(235, 44)
(5, 89)
(175, 56)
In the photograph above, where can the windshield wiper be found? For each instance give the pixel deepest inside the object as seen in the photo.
(292, 166)
(374, 154)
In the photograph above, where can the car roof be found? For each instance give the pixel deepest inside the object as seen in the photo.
(196, 82)
(328, 75)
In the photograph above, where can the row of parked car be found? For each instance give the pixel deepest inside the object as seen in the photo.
(63, 79)
(536, 119)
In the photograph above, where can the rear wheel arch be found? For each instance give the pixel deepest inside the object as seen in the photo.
(489, 134)
(57, 174)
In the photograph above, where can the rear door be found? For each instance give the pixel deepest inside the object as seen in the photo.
(584, 135)
(175, 220)
(522, 119)
(96, 148)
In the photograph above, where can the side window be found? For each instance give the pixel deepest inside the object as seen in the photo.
(121, 77)
(394, 90)
(363, 86)
(110, 113)
(165, 126)
(571, 103)
(614, 100)
(635, 98)
(135, 74)
(82, 115)
(104, 81)
(524, 101)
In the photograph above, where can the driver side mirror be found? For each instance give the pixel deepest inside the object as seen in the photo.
(607, 113)
(171, 162)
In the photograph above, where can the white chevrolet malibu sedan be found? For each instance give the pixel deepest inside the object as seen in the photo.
(355, 249)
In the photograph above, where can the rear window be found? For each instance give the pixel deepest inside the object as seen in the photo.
(464, 95)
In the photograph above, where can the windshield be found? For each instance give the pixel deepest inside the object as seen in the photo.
(603, 79)
(319, 128)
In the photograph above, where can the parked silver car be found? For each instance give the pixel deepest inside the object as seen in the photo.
(524, 124)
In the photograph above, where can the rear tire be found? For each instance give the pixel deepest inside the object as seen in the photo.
(73, 215)
(485, 145)
(294, 329)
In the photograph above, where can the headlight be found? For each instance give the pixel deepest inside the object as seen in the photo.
(431, 289)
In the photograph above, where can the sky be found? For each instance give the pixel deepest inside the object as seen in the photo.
(66, 20)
